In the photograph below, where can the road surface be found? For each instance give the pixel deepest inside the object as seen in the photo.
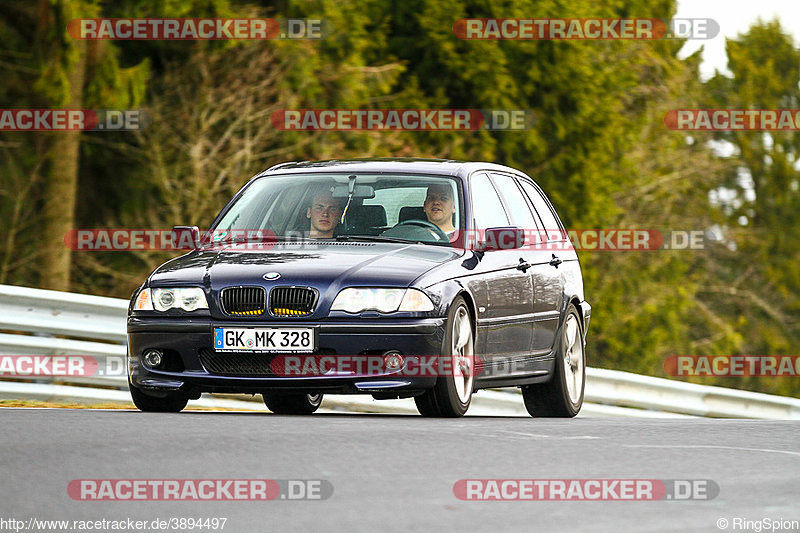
(394, 472)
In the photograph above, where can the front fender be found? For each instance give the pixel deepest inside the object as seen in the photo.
(445, 292)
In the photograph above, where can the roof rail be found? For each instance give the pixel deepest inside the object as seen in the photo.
(279, 165)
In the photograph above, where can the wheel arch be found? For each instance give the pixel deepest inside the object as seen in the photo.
(473, 312)
(447, 293)
(574, 300)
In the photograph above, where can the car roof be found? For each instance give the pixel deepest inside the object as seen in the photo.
(449, 167)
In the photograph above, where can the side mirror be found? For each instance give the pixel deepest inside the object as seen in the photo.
(508, 238)
(186, 237)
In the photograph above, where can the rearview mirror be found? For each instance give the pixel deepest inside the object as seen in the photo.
(508, 238)
(360, 191)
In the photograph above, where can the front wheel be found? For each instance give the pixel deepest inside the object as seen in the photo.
(173, 402)
(292, 404)
(451, 395)
(562, 396)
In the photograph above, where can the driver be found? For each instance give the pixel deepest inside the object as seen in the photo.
(324, 212)
(439, 208)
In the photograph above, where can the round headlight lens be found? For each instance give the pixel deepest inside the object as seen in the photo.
(388, 300)
(166, 298)
(191, 299)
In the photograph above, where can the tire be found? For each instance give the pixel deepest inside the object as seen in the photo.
(292, 404)
(562, 396)
(173, 402)
(451, 395)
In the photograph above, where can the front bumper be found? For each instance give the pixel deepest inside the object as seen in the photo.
(182, 339)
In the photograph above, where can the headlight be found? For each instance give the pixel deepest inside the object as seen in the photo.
(187, 299)
(355, 300)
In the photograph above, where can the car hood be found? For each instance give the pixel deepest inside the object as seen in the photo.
(328, 265)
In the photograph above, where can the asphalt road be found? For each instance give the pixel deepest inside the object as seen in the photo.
(397, 472)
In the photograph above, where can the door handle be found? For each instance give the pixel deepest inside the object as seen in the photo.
(555, 261)
(523, 265)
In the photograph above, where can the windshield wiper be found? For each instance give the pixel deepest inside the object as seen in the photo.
(227, 238)
(379, 238)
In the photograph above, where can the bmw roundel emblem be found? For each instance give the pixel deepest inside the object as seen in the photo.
(272, 275)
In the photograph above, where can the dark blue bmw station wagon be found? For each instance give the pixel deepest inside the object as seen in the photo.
(395, 278)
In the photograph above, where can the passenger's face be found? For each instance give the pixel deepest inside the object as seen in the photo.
(440, 205)
(324, 214)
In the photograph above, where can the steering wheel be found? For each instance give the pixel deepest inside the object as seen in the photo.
(442, 236)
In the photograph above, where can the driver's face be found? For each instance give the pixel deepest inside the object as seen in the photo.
(440, 206)
(324, 214)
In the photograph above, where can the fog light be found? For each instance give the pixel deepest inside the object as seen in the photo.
(152, 358)
(393, 360)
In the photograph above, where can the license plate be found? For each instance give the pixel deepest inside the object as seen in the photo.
(263, 340)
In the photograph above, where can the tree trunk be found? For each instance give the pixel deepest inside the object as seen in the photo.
(61, 189)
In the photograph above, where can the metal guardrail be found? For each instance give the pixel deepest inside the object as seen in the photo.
(36, 320)
(63, 313)
(612, 387)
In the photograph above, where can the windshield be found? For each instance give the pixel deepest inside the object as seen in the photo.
(426, 209)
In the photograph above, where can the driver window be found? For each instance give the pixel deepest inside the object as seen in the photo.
(487, 209)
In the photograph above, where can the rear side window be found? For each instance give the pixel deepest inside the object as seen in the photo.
(520, 211)
(542, 207)
(486, 205)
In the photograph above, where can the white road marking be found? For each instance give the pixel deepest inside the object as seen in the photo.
(539, 435)
(710, 446)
